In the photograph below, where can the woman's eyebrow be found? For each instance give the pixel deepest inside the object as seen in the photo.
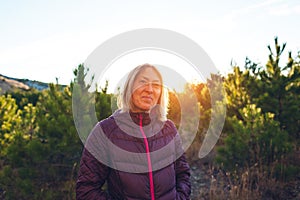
(147, 79)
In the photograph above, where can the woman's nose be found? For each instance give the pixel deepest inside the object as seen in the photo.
(149, 87)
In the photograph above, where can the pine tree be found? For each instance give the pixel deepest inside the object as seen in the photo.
(278, 90)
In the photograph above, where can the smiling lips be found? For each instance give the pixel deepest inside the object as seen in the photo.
(147, 98)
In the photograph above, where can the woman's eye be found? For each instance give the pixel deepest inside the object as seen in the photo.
(156, 85)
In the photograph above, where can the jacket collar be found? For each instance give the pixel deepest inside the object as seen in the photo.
(129, 122)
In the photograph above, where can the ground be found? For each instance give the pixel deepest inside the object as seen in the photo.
(203, 176)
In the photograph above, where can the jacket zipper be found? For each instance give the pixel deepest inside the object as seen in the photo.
(148, 158)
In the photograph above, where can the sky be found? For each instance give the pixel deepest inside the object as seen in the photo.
(45, 40)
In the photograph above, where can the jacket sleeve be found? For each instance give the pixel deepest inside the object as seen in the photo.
(182, 170)
(183, 184)
(92, 173)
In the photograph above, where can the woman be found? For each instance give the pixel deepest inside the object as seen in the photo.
(136, 151)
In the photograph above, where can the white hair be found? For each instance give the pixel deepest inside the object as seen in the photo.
(125, 98)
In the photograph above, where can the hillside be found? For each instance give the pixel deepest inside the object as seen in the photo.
(8, 84)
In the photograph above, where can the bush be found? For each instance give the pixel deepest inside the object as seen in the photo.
(256, 139)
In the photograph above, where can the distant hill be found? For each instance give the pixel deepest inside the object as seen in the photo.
(8, 84)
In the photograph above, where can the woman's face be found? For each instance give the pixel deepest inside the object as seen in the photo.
(146, 90)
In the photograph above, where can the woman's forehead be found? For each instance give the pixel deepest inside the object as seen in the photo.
(149, 74)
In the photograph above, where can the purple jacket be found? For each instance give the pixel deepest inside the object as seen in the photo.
(139, 156)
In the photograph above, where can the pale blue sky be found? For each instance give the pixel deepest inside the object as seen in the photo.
(41, 40)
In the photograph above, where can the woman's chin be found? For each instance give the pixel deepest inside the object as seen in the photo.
(146, 107)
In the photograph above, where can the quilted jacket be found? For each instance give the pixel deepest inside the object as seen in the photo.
(133, 156)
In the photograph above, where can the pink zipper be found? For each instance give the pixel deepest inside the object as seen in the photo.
(148, 158)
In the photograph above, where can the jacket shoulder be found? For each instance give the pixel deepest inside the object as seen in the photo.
(170, 124)
(170, 127)
(107, 125)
